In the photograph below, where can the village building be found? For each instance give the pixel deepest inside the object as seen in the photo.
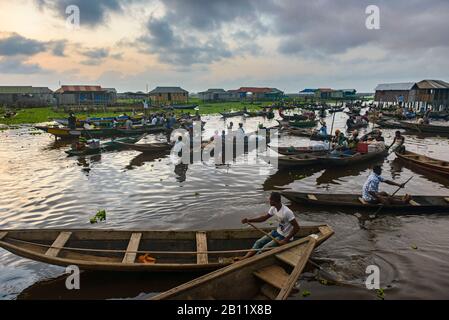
(323, 93)
(26, 96)
(431, 92)
(216, 95)
(84, 96)
(394, 92)
(169, 95)
(255, 93)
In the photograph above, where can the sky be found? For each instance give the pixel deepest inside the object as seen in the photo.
(133, 45)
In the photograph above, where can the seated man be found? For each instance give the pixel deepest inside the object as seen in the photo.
(288, 226)
(371, 192)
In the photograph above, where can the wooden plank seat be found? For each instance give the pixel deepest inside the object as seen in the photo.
(133, 246)
(59, 243)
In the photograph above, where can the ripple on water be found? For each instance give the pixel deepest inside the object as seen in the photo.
(43, 188)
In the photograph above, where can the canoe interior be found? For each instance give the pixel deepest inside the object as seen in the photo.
(221, 284)
(167, 241)
(353, 201)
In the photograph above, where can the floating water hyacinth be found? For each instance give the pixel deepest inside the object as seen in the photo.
(100, 216)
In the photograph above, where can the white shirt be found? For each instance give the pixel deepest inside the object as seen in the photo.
(284, 216)
(178, 146)
(154, 121)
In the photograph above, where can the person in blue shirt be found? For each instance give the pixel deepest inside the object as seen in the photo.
(371, 194)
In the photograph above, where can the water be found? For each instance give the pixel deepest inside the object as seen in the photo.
(42, 188)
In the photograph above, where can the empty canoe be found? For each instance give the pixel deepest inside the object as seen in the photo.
(424, 162)
(150, 147)
(271, 275)
(137, 250)
(418, 203)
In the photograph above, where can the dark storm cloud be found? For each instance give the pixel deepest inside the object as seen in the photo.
(95, 56)
(92, 13)
(16, 65)
(181, 50)
(15, 44)
(336, 26)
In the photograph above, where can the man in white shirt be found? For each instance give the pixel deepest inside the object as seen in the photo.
(154, 121)
(287, 229)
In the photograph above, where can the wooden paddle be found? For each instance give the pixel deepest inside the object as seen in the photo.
(381, 207)
(268, 235)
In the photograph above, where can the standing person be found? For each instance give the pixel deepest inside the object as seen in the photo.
(398, 143)
(230, 127)
(240, 130)
(286, 231)
(371, 194)
(154, 121)
(128, 124)
(72, 121)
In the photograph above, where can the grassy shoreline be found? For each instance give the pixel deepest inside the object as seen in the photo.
(46, 114)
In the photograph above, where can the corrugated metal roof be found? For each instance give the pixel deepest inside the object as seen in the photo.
(24, 90)
(64, 89)
(433, 84)
(257, 90)
(169, 90)
(405, 86)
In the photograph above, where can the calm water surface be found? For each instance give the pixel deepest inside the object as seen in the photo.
(40, 187)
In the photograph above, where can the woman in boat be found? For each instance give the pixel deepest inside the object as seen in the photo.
(398, 143)
(72, 121)
(353, 140)
(371, 194)
(288, 226)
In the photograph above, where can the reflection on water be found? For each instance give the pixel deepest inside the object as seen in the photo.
(42, 188)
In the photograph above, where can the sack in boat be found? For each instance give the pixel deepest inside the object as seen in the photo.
(146, 259)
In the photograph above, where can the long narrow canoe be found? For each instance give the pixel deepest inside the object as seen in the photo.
(300, 160)
(114, 250)
(418, 203)
(344, 160)
(271, 275)
(232, 114)
(112, 145)
(328, 160)
(424, 162)
(309, 133)
(295, 117)
(66, 133)
(426, 128)
(292, 151)
(145, 148)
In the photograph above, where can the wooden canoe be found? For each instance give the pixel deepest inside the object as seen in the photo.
(309, 133)
(424, 162)
(426, 128)
(145, 148)
(418, 203)
(344, 160)
(271, 275)
(295, 117)
(232, 114)
(112, 145)
(292, 151)
(116, 250)
(301, 160)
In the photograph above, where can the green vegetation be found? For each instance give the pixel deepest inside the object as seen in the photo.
(100, 216)
(306, 293)
(381, 294)
(45, 114)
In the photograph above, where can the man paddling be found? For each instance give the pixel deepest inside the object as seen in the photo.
(288, 226)
(371, 192)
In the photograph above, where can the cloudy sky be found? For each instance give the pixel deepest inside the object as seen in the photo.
(201, 44)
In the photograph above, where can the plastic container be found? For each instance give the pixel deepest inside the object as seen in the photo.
(362, 147)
